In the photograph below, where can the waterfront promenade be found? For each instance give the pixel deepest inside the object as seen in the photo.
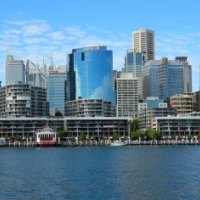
(70, 143)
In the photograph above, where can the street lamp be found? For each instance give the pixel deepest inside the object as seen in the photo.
(88, 123)
(77, 123)
(129, 132)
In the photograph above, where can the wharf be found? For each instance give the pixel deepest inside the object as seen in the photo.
(101, 143)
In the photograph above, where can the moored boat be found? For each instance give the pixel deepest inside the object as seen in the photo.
(46, 137)
(117, 143)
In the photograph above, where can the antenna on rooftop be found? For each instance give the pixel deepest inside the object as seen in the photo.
(51, 60)
(199, 77)
(43, 59)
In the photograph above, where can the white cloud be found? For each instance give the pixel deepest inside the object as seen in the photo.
(35, 29)
(57, 36)
(34, 38)
(75, 31)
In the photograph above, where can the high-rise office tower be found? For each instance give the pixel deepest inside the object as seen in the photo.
(163, 78)
(57, 92)
(15, 70)
(134, 64)
(127, 95)
(34, 76)
(187, 73)
(90, 74)
(143, 42)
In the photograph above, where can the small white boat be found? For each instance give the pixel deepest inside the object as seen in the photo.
(46, 137)
(117, 143)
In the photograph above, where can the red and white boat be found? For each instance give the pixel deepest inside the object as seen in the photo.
(46, 137)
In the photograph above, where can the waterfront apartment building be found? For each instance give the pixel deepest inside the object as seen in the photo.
(23, 100)
(15, 70)
(182, 103)
(92, 127)
(143, 42)
(89, 108)
(134, 64)
(149, 109)
(197, 101)
(90, 74)
(2, 101)
(57, 92)
(178, 126)
(164, 78)
(127, 95)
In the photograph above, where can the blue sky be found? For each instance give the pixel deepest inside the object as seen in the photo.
(33, 28)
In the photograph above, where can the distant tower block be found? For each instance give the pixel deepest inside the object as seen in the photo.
(143, 42)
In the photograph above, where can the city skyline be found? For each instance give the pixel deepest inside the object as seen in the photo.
(36, 30)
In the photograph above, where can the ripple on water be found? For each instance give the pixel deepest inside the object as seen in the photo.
(146, 172)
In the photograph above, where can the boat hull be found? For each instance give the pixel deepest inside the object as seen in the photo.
(117, 144)
(46, 144)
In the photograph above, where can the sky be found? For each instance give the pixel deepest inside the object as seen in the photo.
(46, 30)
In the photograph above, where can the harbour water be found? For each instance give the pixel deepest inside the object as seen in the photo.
(100, 173)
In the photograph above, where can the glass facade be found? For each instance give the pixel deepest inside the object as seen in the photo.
(151, 81)
(56, 92)
(163, 78)
(90, 74)
(172, 80)
(134, 64)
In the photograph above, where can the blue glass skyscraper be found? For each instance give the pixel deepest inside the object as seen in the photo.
(163, 78)
(56, 92)
(90, 73)
(134, 64)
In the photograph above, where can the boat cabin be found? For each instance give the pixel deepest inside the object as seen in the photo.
(46, 137)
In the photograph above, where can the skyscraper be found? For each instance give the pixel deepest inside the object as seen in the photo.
(15, 70)
(56, 92)
(90, 73)
(134, 64)
(163, 78)
(143, 42)
(34, 75)
(127, 95)
(187, 73)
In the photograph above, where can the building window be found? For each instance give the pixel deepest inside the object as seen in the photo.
(82, 56)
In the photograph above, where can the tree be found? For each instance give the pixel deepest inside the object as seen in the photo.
(115, 136)
(82, 136)
(152, 134)
(17, 137)
(58, 114)
(134, 125)
(135, 135)
(62, 133)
